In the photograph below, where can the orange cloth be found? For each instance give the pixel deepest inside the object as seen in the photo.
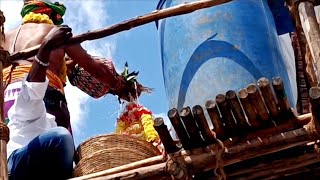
(19, 72)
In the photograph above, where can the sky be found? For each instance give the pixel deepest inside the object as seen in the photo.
(139, 47)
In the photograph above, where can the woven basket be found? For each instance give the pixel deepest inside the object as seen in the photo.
(108, 151)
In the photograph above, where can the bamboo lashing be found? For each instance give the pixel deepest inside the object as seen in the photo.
(248, 108)
(215, 118)
(4, 130)
(200, 119)
(166, 139)
(127, 25)
(191, 127)
(175, 166)
(176, 122)
(238, 114)
(225, 111)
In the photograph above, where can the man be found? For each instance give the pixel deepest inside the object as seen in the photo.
(37, 148)
(41, 18)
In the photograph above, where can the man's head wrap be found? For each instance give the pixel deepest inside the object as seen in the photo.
(54, 10)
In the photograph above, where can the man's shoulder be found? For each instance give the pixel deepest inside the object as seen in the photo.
(38, 25)
(31, 26)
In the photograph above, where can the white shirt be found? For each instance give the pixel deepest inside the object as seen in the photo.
(28, 117)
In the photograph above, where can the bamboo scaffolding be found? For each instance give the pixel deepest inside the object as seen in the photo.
(128, 24)
(235, 153)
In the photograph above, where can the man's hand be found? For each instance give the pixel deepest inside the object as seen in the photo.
(58, 36)
(55, 38)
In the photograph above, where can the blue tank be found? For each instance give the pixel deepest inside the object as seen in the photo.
(213, 50)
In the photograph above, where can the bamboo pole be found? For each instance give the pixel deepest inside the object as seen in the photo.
(281, 95)
(179, 128)
(236, 153)
(135, 165)
(257, 100)
(314, 94)
(312, 31)
(203, 124)
(166, 139)
(128, 24)
(306, 76)
(268, 97)
(237, 111)
(191, 127)
(248, 108)
(225, 111)
(4, 130)
(215, 118)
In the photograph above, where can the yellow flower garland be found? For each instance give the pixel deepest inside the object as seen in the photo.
(36, 18)
(149, 131)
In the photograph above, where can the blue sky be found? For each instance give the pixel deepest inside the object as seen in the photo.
(139, 47)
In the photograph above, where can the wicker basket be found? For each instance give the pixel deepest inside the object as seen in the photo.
(108, 151)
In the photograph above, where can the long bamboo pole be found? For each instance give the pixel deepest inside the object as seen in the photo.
(128, 24)
(4, 130)
(312, 31)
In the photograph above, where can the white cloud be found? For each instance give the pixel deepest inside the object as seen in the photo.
(81, 16)
(12, 14)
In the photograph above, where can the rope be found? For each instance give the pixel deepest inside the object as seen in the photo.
(219, 171)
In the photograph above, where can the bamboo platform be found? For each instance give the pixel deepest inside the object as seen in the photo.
(262, 140)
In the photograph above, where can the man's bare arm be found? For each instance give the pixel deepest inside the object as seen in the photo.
(95, 68)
